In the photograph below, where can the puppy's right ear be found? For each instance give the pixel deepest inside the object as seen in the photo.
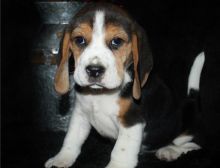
(62, 74)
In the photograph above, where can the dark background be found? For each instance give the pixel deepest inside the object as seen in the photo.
(177, 30)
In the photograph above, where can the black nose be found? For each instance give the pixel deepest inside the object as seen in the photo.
(95, 71)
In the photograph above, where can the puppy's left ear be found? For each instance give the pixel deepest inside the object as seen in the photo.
(142, 58)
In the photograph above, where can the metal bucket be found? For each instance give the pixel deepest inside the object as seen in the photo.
(49, 106)
(57, 12)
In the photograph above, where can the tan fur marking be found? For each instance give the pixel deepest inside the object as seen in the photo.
(84, 30)
(124, 104)
(62, 76)
(136, 85)
(122, 53)
(112, 31)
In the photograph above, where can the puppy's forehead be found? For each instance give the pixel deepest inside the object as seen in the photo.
(102, 15)
(98, 24)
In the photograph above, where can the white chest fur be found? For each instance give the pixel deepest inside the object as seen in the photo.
(101, 111)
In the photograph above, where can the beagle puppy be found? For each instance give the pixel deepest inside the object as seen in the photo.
(115, 92)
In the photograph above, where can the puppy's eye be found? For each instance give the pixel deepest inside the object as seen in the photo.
(115, 43)
(80, 41)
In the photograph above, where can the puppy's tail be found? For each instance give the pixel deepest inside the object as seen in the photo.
(195, 74)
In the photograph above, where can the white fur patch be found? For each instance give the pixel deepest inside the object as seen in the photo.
(181, 145)
(98, 52)
(127, 147)
(101, 111)
(195, 72)
(78, 131)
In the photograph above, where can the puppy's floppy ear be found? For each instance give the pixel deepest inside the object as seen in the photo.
(142, 58)
(62, 74)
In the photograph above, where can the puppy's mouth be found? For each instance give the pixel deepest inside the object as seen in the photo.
(100, 85)
(95, 83)
(93, 86)
(96, 86)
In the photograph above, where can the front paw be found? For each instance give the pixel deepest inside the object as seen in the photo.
(60, 160)
(114, 164)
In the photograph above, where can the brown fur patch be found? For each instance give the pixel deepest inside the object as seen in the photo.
(62, 74)
(123, 52)
(112, 31)
(122, 55)
(85, 31)
(124, 104)
(136, 86)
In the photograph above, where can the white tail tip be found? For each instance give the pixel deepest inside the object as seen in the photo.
(195, 72)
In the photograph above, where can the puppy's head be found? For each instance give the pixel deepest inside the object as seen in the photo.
(104, 42)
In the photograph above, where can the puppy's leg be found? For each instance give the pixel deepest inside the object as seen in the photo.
(127, 147)
(78, 131)
(181, 145)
